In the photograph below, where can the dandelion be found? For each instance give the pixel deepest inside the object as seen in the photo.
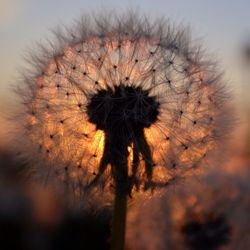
(210, 215)
(120, 102)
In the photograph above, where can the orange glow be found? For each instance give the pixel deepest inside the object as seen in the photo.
(67, 82)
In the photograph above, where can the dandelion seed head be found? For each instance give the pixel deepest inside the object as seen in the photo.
(141, 81)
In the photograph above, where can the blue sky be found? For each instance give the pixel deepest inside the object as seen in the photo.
(222, 25)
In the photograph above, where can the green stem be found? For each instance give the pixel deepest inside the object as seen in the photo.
(119, 221)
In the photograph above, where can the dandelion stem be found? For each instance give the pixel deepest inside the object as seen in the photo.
(119, 221)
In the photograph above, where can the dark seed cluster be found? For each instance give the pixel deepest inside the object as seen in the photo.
(125, 108)
(208, 234)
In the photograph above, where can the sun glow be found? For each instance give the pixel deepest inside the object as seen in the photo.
(61, 129)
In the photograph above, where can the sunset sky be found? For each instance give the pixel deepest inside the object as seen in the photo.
(222, 25)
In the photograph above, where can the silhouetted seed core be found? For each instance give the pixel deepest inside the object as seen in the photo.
(123, 113)
(125, 108)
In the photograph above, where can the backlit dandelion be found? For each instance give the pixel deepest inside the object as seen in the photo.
(122, 102)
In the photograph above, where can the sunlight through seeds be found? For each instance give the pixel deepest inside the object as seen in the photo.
(125, 83)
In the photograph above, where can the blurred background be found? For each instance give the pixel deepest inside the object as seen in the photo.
(223, 27)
